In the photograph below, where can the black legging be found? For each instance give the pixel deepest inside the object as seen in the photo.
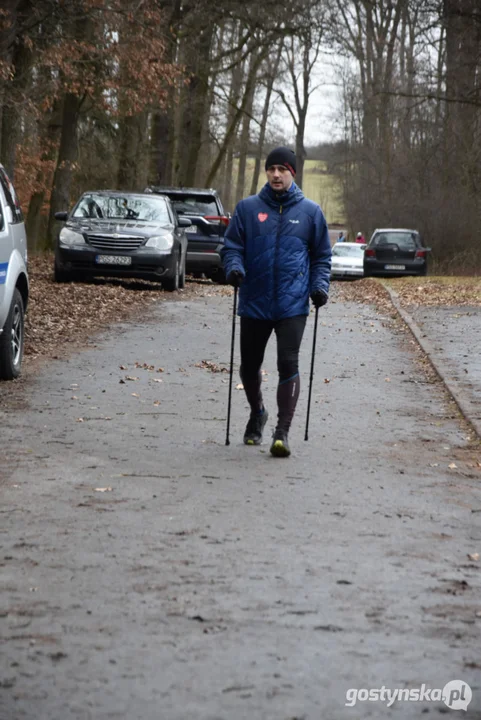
(253, 339)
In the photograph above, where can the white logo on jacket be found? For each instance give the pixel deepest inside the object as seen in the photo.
(296, 222)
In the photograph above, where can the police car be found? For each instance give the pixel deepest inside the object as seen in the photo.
(13, 280)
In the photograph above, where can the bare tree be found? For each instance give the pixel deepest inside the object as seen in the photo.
(300, 58)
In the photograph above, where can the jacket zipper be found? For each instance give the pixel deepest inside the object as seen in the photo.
(276, 261)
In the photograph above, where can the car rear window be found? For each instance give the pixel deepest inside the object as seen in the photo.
(118, 207)
(343, 251)
(195, 205)
(405, 241)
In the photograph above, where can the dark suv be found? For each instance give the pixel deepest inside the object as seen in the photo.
(205, 237)
(395, 251)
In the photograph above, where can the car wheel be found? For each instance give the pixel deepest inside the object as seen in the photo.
(12, 339)
(61, 276)
(182, 276)
(172, 284)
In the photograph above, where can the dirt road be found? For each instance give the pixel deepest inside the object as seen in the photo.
(150, 572)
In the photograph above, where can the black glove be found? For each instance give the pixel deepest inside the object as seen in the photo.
(235, 278)
(319, 298)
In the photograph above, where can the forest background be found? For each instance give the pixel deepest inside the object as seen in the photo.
(117, 94)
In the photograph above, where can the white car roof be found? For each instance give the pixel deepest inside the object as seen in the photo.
(377, 230)
(348, 244)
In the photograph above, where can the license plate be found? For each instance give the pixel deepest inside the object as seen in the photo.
(394, 267)
(191, 229)
(113, 260)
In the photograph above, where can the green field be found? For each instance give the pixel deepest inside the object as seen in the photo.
(318, 186)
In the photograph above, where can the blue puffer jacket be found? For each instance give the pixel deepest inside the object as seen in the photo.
(281, 244)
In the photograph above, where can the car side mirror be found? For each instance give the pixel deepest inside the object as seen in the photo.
(363, 247)
(61, 216)
(185, 222)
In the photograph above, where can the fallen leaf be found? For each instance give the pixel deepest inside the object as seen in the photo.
(156, 379)
(144, 366)
(135, 394)
(131, 377)
(473, 556)
(211, 366)
(327, 380)
(239, 386)
(123, 367)
(105, 489)
(452, 466)
(79, 420)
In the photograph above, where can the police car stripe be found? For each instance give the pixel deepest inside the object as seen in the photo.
(3, 273)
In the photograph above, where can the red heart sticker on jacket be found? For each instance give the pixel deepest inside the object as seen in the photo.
(262, 216)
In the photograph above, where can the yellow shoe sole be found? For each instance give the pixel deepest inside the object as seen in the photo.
(278, 449)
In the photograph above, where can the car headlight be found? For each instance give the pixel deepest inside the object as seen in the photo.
(70, 237)
(161, 242)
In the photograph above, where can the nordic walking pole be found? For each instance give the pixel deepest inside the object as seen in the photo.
(227, 441)
(312, 374)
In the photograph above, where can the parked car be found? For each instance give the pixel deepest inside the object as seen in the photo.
(122, 234)
(347, 260)
(206, 234)
(13, 280)
(395, 251)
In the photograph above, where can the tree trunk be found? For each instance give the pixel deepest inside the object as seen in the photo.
(66, 160)
(244, 138)
(11, 120)
(265, 115)
(234, 94)
(132, 151)
(300, 149)
(235, 120)
(160, 170)
(162, 123)
(47, 140)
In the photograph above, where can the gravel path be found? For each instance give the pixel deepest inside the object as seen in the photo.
(150, 572)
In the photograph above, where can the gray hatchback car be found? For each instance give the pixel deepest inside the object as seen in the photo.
(13, 280)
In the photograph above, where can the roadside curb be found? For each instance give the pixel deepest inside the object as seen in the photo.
(454, 388)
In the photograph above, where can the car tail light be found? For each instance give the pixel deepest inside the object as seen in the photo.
(421, 253)
(370, 252)
(218, 218)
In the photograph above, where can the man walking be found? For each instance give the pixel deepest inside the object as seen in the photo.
(277, 251)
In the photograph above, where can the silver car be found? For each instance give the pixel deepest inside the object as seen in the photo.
(13, 280)
(347, 260)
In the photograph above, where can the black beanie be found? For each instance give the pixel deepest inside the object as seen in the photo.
(282, 156)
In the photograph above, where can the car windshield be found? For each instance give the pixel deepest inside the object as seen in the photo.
(122, 207)
(343, 251)
(404, 240)
(195, 205)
